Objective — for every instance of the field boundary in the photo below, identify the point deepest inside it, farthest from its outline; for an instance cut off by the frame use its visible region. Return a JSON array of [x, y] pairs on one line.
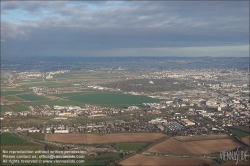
[[200, 138], [95, 139], [149, 146], [172, 146]]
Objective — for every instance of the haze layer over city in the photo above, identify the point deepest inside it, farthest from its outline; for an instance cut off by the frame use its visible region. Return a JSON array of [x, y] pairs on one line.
[[117, 83]]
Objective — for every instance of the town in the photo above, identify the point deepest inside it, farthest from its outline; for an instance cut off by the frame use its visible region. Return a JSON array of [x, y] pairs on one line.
[[211, 103]]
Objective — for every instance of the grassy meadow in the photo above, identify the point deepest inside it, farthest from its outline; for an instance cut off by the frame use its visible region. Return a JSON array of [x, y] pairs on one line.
[[4, 109], [10, 139], [31, 97], [131, 146], [112, 99], [11, 92]]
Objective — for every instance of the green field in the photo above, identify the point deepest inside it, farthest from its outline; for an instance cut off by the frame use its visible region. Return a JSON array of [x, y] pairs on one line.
[[131, 146], [49, 84], [112, 99], [5, 93], [9, 88], [102, 160], [31, 97], [4, 78], [35, 136], [31, 121], [19, 108], [10, 139], [238, 132], [88, 75], [13, 98], [66, 95], [52, 103], [30, 80], [4, 109], [82, 92]]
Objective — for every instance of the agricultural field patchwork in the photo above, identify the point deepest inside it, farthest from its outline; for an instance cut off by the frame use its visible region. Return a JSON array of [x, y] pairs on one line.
[[104, 138], [142, 160], [20, 108], [143, 85], [52, 103], [4, 108], [31, 97], [49, 84], [131, 146], [112, 99], [66, 95], [172, 146], [238, 132], [30, 121], [10, 139], [13, 98], [10, 92]]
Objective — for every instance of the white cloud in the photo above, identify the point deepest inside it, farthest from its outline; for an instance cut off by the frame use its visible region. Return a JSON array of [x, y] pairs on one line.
[[130, 28]]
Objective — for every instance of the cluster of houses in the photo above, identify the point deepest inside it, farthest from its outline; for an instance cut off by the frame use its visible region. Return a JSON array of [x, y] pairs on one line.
[[206, 108]]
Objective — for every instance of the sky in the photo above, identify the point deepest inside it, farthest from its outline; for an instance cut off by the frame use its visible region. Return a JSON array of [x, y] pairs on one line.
[[124, 28]]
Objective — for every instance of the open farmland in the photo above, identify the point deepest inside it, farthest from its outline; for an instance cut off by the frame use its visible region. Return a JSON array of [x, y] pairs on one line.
[[82, 92], [112, 99], [51, 103], [4, 109], [9, 88], [66, 95], [172, 146], [239, 133], [6, 93], [201, 137], [31, 121], [68, 79], [104, 138], [246, 140], [13, 98], [141, 160], [49, 84], [10, 139], [19, 108], [143, 85], [131, 146], [31, 97]]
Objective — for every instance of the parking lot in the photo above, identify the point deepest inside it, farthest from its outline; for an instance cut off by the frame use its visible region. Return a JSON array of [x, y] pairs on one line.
[[174, 126]]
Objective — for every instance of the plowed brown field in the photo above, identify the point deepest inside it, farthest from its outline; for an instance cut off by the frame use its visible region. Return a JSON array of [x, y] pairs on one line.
[[141, 160], [104, 138], [246, 140], [172, 146]]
